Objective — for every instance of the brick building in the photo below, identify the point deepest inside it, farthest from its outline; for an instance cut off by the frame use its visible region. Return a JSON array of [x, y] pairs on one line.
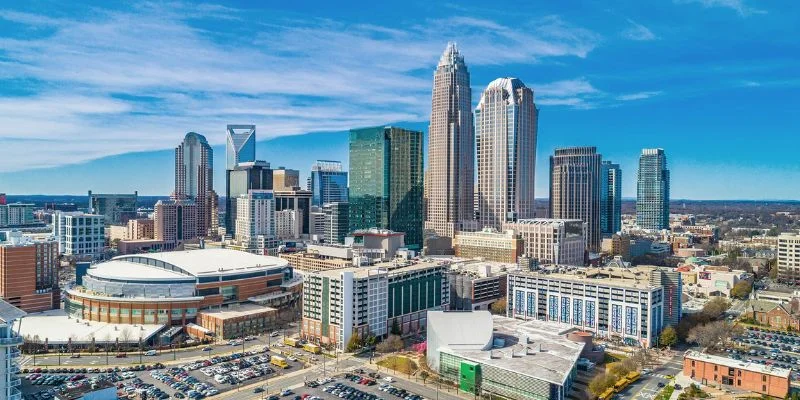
[[29, 272], [742, 375], [774, 315]]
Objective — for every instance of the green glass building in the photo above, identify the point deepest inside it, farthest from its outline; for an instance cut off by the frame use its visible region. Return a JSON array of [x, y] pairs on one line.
[[386, 181]]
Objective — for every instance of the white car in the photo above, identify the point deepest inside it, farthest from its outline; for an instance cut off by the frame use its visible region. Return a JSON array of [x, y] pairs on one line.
[[275, 334], [388, 379], [151, 353], [291, 358]]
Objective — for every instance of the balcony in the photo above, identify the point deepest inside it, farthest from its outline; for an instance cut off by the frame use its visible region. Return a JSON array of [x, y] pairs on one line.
[[14, 353], [14, 382], [15, 394], [12, 341]]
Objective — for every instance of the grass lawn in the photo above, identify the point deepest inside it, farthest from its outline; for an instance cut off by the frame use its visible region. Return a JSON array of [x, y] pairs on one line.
[[665, 393], [399, 364], [611, 358]]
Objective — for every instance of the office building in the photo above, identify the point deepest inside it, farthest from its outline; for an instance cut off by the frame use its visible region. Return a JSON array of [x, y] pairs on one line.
[[386, 181], [336, 225], [255, 221], [16, 214], [194, 180], [240, 145], [317, 221], [79, 234], [575, 189], [489, 244], [288, 224], [500, 357], [610, 198], [320, 258], [285, 179], [175, 222], [10, 340], [652, 191], [671, 281], [239, 180], [374, 301], [141, 228], [744, 376], [118, 209], [610, 302], [328, 183], [298, 201], [475, 285], [552, 241], [505, 135], [789, 258], [451, 147], [29, 272]]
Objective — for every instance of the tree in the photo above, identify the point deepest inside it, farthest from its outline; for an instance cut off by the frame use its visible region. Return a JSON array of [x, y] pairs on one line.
[[424, 375], [354, 343], [499, 307], [600, 383], [125, 336], [742, 290], [391, 344], [709, 335], [669, 337], [716, 307], [773, 268], [618, 369]]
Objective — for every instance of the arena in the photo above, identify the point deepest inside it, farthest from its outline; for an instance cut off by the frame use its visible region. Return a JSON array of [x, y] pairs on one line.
[[170, 288]]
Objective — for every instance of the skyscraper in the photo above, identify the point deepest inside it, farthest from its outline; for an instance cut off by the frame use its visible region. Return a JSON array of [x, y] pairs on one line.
[[610, 198], [386, 181], [652, 190], [328, 183], [255, 217], [451, 146], [245, 176], [175, 222], [285, 179], [505, 135], [336, 225], [575, 189], [117, 208], [240, 145], [194, 179]]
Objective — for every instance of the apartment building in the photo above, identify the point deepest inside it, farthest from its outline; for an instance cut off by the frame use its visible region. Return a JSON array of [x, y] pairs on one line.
[[552, 241], [29, 272], [489, 244], [79, 233], [9, 351], [789, 258]]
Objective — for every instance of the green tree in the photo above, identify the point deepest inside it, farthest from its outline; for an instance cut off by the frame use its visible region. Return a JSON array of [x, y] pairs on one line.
[[354, 343], [669, 337], [396, 328], [742, 290], [499, 307], [600, 383]]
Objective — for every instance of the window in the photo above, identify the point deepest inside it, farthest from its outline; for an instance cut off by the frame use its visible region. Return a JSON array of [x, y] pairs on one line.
[[715, 369], [763, 378], [764, 388], [739, 373], [730, 371], [738, 382], [693, 363]]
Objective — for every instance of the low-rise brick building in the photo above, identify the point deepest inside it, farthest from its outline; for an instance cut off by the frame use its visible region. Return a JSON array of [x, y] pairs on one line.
[[774, 315], [710, 370]]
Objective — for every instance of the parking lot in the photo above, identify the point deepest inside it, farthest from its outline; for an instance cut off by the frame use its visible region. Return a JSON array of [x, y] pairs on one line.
[[359, 385], [769, 347]]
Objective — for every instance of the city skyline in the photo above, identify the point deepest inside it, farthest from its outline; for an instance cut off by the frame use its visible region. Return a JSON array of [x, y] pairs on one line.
[[570, 60]]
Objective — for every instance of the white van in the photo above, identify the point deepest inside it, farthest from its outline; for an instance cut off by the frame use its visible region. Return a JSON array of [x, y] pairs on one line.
[[220, 378]]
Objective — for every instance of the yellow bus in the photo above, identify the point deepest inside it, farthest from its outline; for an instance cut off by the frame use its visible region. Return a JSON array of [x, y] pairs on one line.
[[622, 383], [607, 395], [312, 348], [291, 342], [633, 376], [279, 361]]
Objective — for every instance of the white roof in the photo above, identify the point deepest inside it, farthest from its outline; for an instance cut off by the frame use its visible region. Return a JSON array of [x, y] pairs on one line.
[[116, 269], [210, 261], [58, 328], [450, 328], [728, 362]]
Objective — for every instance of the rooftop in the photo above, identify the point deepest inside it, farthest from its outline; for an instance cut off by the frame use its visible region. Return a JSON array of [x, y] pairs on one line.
[[741, 364], [241, 310], [57, 327], [635, 277], [118, 269], [9, 313], [207, 261], [392, 267]]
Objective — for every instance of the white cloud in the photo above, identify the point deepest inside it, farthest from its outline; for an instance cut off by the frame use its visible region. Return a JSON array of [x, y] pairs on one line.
[[637, 96], [737, 5], [638, 32]]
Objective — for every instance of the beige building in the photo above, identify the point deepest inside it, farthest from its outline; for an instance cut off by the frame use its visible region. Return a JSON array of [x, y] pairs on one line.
[[314, 262], [489, 245], [139, 229], [552, 241], [175, 221], [789, 257], [285, 179], [117, 232], [451, 144]]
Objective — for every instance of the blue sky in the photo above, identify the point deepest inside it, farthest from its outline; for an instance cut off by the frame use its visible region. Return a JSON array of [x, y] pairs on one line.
[[93, 97]]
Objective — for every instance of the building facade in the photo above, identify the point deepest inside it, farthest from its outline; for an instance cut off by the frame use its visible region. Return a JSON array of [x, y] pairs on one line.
[[789, 258], [175, 222], [240, 145], [285, 179], [386, 181], [611, 303], [194, 180], [552, 241], [16, 214], [506, 121], [336, 225], [10, 340], [118, 209], [610, 198], [328, 183], [489, 244], [29, 272], [671, 281], [652, 190], [139, 229], [79, 233], [451, 146], [742, 375], [298, 201], [575, 189], [255, 219], [239, 180], [288, 224]]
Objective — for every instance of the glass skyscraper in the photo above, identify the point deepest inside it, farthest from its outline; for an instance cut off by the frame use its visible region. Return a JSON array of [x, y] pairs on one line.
[[386, 181], [575, 189], [328, 183], [240, 145], [652, 191], [610, 198]]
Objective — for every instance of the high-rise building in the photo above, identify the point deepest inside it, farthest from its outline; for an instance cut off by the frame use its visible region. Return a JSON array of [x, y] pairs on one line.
[[288, 224], [451, 147], [285, 179], [670, 280], [16, 214], [139, 229], [116, 208], [29, 272], [298, 201], [575, 189], [239, 180], [505, 135], [652, 190], [386, 181], [789, 258], [327, 183], [240, 145], [175, 222], [336, 221], [10, 340], [552, 241], [194, 180], [79, 233], [610, 198], [255, 220], [489, 244]]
